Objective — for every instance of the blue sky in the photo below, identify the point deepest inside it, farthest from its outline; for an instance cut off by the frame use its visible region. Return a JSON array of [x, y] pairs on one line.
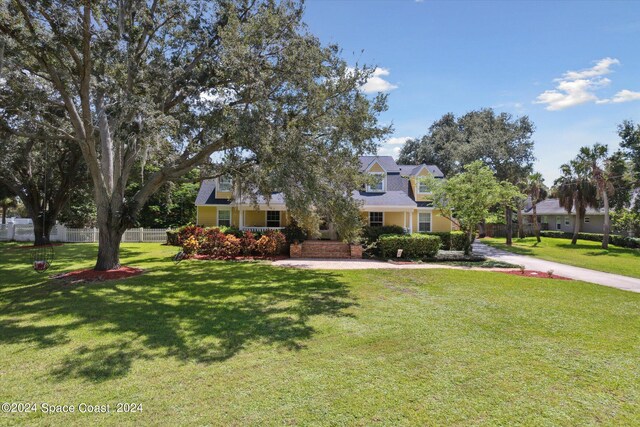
[[572, 67]]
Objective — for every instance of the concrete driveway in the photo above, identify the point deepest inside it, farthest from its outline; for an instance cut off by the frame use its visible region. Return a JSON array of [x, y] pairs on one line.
[[577, 273]]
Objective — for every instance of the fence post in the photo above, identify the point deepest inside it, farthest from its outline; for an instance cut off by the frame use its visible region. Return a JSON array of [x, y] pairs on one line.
[[11, 232], [141, 234]]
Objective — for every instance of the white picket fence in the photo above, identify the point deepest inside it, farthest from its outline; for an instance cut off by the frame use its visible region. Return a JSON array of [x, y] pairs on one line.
[[60, 233]]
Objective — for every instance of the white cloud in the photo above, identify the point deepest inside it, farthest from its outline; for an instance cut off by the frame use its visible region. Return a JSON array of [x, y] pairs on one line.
[[625, 95], [398, 140], [376, 83], [577, 87]]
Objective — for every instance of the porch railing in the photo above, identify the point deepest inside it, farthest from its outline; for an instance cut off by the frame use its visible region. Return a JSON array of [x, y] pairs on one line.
[[260, 229]]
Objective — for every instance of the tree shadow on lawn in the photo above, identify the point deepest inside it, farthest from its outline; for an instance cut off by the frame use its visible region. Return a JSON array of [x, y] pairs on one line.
[[591, 250], [197, 311]]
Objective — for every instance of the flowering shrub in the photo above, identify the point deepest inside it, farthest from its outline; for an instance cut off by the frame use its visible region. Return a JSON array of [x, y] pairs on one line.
[[215, 243], [190, 246], [248, 243], [271, 243], [189, 231]]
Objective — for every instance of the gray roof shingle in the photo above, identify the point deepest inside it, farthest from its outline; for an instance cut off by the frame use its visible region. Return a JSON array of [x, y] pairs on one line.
[[389, 198]]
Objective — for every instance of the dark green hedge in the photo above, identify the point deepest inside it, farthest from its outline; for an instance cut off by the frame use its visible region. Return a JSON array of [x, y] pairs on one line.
[[449, 240], [413, 246], [614, 239]]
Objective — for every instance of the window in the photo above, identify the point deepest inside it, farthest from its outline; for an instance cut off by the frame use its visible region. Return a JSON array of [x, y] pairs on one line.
[[424, 221], [422, 187], [567, 220], [558, 223], [379, 185], [545, 220], [273, 218], [224, 183], [376, 219], [224, 218], [587, 219]]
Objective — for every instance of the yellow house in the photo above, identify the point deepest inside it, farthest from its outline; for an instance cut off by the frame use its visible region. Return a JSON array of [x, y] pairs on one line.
[[398, 198]]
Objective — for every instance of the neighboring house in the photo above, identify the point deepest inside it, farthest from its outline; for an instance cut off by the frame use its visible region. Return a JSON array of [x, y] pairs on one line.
[[397, 199], [552, 216]]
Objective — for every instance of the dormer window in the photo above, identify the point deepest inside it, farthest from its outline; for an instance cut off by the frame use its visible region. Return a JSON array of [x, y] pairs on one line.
[[224, 183], [423, 187], [378, 186]]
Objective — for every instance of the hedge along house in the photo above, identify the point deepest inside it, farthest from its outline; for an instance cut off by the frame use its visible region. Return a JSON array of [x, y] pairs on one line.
[[397, 198]]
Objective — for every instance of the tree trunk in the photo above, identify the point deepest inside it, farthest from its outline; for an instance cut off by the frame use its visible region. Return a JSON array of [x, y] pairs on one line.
[[108, 246], [508, 215], [41, 232], [4, 214], [520, 225], [536, 226], [467, 244], [607, 221], [576, 228], [482, 228]]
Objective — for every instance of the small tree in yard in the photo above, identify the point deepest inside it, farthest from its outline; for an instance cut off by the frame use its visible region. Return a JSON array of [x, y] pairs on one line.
[[466, 198], [185, 80]]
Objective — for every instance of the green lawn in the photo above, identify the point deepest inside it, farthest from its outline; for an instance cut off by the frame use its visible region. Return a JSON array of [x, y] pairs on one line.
[[219, 343], [585, 254]]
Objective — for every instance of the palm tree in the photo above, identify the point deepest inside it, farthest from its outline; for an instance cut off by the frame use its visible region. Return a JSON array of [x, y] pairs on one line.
[[575, 190], [537, 191], [593, 161]]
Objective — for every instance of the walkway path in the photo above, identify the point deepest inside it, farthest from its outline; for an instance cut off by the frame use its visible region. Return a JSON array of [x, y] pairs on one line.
[[356, 264], [577, 273]]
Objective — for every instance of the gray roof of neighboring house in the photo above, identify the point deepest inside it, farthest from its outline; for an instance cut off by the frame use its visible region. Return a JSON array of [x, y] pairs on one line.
[[552, 207], [388, 198], [276, 199]]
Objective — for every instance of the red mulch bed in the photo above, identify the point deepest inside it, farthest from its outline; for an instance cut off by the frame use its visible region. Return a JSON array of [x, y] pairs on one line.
[[34, 247], [534, 273], [99, 276], [242, 258]]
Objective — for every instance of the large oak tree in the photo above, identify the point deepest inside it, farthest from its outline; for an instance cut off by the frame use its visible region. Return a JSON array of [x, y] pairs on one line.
[[239, 79]]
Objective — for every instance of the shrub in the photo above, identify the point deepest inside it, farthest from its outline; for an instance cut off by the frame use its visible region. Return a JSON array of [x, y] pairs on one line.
[[190, 246], [458, 240], [172, 238], [271, 243], [189, 231], [294, 233], [232, 230], [413, 246], [614, 239], [216, 244], [372, 234], [445, 238], [248, 243]]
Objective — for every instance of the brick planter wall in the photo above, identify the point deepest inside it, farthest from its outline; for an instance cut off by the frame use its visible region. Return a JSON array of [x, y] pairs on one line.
[[325, 249], [356, 251], [295, 251]]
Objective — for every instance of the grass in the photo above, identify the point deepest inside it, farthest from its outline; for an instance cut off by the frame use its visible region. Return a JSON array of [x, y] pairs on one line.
[[221, 343], [584, 254]]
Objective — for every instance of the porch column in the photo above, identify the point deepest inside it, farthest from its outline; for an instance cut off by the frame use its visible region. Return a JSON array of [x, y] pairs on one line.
[[411, 222], [241, 217], [404, 220]]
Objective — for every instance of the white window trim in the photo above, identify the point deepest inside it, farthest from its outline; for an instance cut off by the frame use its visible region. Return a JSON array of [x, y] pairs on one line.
[[567, 221], [220, 185], [384, 183], [418, 182], [430, 222], [587, 220], [369, 217], [218, 217], [266, 221]]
